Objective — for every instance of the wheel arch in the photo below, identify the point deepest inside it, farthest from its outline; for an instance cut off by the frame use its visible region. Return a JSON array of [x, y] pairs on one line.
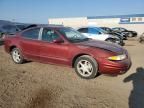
[[12, 47], [77, 56]]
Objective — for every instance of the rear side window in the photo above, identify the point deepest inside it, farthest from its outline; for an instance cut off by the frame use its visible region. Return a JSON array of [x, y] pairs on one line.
[[83, 30], [31, 34]]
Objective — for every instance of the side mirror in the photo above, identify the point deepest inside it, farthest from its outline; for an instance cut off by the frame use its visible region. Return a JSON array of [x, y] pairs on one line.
[[59, 40]]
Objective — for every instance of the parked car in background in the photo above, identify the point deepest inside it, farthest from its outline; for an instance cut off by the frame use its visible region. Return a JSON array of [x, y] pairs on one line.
[[11, 29], [125, 31], [115, 33], [8, 29], [66, 46], [99, 34]]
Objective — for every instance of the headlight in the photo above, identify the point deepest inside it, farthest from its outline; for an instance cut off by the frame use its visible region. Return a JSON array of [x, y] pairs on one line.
[[116, 58]]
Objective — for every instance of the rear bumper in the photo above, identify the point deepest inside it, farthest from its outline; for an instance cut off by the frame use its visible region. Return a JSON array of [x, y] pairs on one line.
[[115, 67]]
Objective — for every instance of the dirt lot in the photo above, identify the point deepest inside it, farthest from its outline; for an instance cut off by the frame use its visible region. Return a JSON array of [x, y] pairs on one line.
[[36, 85]]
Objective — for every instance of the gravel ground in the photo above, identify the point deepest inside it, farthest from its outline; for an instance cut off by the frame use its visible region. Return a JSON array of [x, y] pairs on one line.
[[37, 85]]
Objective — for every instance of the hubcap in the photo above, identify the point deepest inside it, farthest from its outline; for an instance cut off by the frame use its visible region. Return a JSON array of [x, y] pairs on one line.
[[84, 68], [16, 56]]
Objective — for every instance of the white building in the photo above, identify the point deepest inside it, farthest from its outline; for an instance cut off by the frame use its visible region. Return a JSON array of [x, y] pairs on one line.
[[131, 22], [71, 22]]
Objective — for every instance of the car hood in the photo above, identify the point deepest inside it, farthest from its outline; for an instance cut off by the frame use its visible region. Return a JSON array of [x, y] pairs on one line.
[[103, 45]]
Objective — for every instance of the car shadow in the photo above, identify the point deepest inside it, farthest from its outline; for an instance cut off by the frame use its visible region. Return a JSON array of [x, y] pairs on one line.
[[136, 98]]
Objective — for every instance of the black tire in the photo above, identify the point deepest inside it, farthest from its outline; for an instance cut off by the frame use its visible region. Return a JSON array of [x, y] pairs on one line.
[[93, 63], [21, 58]]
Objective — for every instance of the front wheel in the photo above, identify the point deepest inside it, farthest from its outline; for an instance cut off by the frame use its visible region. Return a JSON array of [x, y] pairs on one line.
[[86, 67], [17, 56]]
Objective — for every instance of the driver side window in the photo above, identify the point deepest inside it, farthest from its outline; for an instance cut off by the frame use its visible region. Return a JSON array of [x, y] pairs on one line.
[[49, 35], [93, 31]]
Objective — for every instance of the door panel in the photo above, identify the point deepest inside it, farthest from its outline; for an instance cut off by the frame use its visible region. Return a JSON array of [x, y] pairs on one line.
[[30, 48], [30, 44], [93, 36], [95, 33], [101, 37], [55, 53]]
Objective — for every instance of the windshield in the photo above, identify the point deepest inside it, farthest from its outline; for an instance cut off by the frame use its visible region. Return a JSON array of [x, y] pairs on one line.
[[73, 35]]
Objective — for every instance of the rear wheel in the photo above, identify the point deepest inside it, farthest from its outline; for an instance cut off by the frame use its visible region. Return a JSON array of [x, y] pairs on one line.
[[86, 67], [17, 56]]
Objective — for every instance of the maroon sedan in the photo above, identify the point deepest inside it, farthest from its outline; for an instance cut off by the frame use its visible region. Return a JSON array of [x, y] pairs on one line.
[[65, 46]]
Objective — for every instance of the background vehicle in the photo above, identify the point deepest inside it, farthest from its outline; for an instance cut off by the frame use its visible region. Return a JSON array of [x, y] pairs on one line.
[[125, 31], [8, 29], [12, 28], [65, 46], [99, 34], [115, 33]]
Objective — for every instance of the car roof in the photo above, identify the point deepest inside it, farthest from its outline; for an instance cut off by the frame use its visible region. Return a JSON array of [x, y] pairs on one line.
[[118, 27], [46, 26], [88, 27]]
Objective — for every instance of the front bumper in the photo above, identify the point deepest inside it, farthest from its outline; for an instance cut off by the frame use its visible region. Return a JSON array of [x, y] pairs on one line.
[[114, 67]]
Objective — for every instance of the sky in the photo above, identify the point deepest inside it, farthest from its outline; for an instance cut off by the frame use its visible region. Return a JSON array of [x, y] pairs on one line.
[[38, 11]]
